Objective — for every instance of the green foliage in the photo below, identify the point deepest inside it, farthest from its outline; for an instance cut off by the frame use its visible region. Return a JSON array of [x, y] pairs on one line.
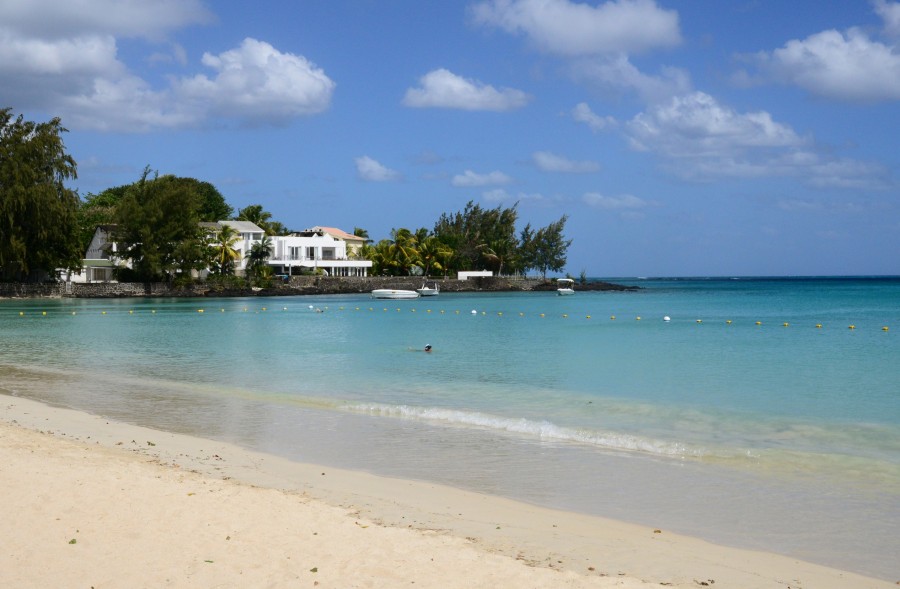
[[224, 255], [262, 219], [38, 228], [258, 270], [157, 228], [479, 238], [545, 249]]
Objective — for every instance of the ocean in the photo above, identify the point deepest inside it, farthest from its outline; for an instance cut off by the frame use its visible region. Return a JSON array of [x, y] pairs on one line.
[[763, 414]]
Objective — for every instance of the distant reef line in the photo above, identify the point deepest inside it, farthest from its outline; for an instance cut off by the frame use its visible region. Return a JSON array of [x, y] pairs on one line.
[[296, 286]]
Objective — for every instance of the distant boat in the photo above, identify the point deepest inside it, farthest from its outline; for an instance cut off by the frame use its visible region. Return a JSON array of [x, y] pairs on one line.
[[565, 286], [392, 293], [429, 291]]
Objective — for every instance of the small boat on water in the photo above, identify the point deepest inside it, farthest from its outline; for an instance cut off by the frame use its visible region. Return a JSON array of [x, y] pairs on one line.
[[393, 293], [565, 286], [429, 291]]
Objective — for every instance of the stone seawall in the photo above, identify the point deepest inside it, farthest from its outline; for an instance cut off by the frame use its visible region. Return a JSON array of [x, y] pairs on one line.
[[298, 285]]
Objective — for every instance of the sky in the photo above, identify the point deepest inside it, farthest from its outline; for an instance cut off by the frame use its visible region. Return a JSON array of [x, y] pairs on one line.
[[701, 138]]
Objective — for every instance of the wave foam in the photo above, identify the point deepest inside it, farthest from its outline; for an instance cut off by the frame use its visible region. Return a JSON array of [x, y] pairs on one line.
[[543, 430]]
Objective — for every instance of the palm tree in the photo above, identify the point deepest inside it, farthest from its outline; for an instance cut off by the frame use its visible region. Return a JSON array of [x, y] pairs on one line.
[[258, 256], [224, 254], [403, 250], [434, 254]]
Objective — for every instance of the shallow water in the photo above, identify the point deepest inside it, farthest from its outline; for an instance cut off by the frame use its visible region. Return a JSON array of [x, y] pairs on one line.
[[783, 438]]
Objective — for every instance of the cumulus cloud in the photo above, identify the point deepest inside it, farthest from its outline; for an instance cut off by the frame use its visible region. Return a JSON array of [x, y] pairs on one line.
[[470, 179], [443, 89], [617, 74], [890, 13], [697, 125], [63, 57], [569, 28], [698, 138], [623, 201], [257, 82], [550, 162], [582, 113], [848, 66], [372, 171]]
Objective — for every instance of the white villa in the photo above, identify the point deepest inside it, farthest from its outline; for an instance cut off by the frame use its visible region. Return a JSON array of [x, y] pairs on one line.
[[320, 248]]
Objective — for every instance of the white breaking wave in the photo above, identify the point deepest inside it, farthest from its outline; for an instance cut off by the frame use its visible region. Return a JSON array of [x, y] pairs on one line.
[[543, 430]]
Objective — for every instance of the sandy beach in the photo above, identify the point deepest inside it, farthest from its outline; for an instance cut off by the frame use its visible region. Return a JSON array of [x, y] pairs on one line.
[[86, 502]]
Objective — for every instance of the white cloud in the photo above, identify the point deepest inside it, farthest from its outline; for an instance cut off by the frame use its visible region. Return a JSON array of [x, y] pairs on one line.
[[372, 171], [550, 162], [583, 114], [256, 82], [570, 28], [697, 125], [64, 58], [469, 179], [52, 19], [890, 13], [443, 89], [623, 201], [698, 138], [501, 195], [617, 73], [842, 66]]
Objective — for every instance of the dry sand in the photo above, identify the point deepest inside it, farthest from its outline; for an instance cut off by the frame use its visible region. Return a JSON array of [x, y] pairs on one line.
[[85, 502]]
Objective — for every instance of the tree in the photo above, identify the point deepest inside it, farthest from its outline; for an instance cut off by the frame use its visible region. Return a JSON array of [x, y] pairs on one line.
[[98, 209], [471, 232], [211, 205], [360, 232], [157, 228], [262, 219], [224, 254], [258, 257], [434, 255], [38, 228], [548, 249]]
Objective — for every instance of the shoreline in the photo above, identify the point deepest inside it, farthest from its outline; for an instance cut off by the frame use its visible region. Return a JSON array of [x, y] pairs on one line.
[[474, 539]]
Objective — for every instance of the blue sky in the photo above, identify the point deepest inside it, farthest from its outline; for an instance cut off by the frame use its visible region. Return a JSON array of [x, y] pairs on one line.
[[708, 137]]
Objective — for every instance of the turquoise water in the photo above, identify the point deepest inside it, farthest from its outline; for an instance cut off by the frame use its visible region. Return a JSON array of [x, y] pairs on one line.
[[722, 422]]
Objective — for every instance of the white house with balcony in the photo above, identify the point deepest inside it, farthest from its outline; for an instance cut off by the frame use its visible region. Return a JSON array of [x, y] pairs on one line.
[[320, 248]]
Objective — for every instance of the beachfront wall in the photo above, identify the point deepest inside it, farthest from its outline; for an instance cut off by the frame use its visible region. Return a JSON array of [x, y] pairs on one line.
[[297, 285]]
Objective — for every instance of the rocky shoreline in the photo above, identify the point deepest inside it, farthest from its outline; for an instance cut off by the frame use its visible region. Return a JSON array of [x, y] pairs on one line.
[[296, 286]]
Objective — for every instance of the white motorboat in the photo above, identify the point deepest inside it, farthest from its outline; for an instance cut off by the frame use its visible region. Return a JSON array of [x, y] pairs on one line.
[[393, 293], [565, 286], [429, 291]]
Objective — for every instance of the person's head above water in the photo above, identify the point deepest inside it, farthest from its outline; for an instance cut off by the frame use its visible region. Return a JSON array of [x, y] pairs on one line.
[[427, 347]]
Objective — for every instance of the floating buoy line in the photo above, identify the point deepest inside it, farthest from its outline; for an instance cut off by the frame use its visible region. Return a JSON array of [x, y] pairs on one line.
[[474, 312]]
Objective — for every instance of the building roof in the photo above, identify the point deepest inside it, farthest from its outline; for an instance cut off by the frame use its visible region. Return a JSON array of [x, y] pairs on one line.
[[335, 232], [243, 226]]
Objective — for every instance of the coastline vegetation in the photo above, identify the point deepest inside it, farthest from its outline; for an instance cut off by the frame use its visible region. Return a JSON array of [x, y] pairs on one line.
[[156, 223]]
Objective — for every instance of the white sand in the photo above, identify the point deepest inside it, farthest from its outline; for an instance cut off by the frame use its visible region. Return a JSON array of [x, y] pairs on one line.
[[85, 502]]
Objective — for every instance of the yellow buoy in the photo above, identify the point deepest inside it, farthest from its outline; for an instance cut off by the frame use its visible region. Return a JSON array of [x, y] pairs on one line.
[[153, 311], [759, 322], [613, 317], [221, 310], [699, 320], [637, 318], [73, 312], [21, 313], [263, 308], [728, 322], [785, 324], [588, 317], [103, 312], [500, 313], [44, 313], [565, 316], [130, 312], [885, 328], [199, 310], [851, 327], [818, 326], [542, 314]]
